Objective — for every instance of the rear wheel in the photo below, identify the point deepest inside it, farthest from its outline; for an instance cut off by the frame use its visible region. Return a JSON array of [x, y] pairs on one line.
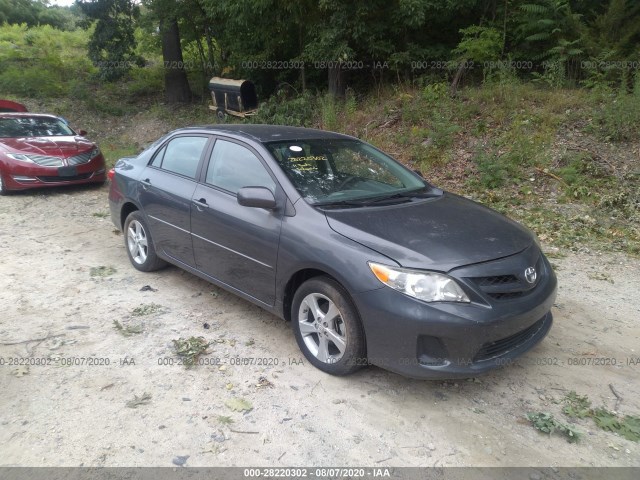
[[327, 327], [137, 240]]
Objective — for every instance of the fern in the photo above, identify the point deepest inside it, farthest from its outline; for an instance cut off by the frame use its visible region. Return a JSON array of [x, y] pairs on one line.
[[534, 8]]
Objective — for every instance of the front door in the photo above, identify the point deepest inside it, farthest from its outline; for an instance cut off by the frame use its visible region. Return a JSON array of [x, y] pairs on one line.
[[236, 245]]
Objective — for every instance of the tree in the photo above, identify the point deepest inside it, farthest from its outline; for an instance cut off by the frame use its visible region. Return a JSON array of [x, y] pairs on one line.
[[176, 84], [252, 34], [112, 44], [612, 40], [36, 12], [168, 13]]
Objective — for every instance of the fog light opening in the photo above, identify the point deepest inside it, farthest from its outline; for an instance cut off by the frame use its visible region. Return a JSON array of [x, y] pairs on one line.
[[431, 351], [24, 179]]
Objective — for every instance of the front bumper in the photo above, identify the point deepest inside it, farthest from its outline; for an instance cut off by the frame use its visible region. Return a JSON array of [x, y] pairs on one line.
[[20, 176], [452, 340]]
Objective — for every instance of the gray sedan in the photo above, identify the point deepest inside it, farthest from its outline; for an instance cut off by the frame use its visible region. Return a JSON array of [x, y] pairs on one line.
[[369, 262]]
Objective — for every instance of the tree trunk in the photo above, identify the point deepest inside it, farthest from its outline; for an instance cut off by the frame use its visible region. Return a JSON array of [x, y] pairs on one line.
[[212, 63], [303, 74], [176, 85], [458, 77], [337, 87]]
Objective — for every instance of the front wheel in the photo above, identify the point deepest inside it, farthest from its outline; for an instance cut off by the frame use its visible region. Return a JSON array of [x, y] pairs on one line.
[[3, 188], [327, 327], [137, 240]]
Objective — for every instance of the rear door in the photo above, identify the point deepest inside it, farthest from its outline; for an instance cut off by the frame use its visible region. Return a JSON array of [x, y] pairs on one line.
[[234, 244], [166, 188]]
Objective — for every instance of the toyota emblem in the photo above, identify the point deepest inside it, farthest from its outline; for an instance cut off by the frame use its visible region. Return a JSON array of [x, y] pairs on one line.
[[530, 275]]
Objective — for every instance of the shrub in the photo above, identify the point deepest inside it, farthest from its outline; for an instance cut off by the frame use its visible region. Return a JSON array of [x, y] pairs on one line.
[[278, 110]]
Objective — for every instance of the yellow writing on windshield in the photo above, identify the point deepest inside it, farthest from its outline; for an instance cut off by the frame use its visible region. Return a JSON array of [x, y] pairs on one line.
[[307, 163]]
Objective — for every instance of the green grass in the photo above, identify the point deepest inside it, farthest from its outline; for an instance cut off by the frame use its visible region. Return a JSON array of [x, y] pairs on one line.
[[42, 61], [115, 148]]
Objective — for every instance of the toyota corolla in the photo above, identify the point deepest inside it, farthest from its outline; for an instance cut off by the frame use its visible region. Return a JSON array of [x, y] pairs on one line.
[[43, 151], [369, 262]]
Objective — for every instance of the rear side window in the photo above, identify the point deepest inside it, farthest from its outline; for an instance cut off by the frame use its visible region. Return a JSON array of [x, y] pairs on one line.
[[181, 155], [233, 166]]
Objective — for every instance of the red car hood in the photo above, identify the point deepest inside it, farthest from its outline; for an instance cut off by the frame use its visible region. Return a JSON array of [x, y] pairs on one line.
[[54, 146]]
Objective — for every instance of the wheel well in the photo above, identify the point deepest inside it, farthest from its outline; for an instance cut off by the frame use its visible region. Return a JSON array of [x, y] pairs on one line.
[[294, 282], [127, 208]]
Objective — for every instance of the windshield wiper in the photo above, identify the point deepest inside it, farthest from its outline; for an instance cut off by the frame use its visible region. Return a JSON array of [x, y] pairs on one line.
[[422, 192], [390, 199], [365, 202], [339, 203]]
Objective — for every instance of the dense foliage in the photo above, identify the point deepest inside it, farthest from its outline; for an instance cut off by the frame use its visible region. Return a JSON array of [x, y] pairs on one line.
[[361, 44], [112, 44], [37, 12]]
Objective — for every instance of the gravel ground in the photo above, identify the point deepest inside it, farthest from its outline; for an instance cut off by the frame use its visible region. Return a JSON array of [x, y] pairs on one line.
[[58, 310]]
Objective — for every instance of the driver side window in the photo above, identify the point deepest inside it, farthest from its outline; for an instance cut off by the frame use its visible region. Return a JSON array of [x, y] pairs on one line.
[[233, 166]]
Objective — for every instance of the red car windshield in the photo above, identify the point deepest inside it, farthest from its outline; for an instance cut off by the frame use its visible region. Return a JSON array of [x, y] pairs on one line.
[[14, 127]]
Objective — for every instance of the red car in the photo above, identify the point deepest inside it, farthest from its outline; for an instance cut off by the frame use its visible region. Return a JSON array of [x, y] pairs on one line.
[[9, 106], [39, 150]]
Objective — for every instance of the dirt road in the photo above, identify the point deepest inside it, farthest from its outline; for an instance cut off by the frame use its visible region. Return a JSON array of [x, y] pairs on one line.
[[60, 306]]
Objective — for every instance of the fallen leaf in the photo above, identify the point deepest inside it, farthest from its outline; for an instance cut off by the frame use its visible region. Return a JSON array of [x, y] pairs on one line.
[[239, 405], [143, 399]]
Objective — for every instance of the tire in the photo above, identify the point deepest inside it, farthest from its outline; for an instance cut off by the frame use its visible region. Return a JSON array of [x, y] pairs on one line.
[[336, 346], [139, 244], [3, 188], [222, 115]]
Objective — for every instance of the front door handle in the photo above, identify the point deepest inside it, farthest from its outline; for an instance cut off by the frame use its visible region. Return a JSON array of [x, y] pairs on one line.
[[146, 183], [202, 203]]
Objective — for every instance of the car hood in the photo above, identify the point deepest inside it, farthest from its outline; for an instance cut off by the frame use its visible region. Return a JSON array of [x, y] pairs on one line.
[[438, 234], [66, 146]]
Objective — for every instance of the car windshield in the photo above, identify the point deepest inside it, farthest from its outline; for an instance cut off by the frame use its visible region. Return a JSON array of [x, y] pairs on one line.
[[332, 171], [33, 127]]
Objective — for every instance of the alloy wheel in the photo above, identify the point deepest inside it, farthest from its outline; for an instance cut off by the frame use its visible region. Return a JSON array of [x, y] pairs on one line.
[[137, 242], [322, 328]]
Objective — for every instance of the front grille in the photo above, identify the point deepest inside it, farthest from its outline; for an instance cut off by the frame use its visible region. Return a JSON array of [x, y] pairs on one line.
[[500, 347], [507, 287], [496, 280], [82, 176], [46, 160], [506, 295], [80, 159]]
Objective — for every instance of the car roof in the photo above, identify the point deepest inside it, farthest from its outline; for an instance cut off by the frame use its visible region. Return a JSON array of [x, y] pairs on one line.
[[26, 115], [268, 133]]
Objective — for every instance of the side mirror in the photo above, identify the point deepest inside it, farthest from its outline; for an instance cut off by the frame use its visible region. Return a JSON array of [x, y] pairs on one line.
[[257, 197], [418, 172], [82, 133]]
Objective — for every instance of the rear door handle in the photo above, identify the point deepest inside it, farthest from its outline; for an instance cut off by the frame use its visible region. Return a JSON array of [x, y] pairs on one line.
[[202, 203], [145, 183]]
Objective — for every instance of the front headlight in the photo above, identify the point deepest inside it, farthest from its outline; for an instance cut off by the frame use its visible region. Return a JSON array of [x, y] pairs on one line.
[[95, 152], [426, 286], [20, 157]]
